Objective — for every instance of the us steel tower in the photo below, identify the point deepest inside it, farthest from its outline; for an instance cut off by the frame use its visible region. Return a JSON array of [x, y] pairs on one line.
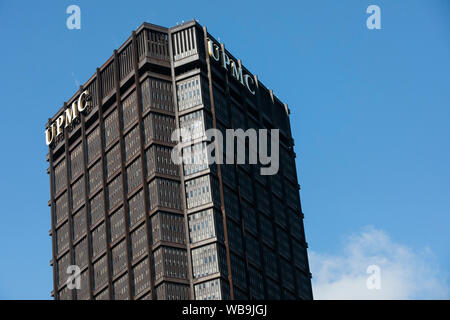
[[138, 225]]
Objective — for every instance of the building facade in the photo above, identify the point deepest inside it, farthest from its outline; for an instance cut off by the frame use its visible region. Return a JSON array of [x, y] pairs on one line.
[[138, 225]]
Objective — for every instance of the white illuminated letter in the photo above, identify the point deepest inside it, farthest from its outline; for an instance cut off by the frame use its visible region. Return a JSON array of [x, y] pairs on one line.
[[236, 72], [49, 135], [82, 102], [59, 123], [71, 114], [213, 50], [225, 59], [246, 77]]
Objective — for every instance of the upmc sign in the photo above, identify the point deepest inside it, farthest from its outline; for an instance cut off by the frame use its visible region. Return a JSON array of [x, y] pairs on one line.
[[219, 55], [67, 117]]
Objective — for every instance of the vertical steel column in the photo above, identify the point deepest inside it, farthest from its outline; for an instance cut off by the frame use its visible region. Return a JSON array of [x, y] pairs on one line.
[[104, 185], [87, 207], [219, 172], [254, 182], [274, 230], [53, 216], [144, 179], [291, 152], [123, 171], [258, 226], [182, 186], [236, 175], [283, 192], [69, 196]]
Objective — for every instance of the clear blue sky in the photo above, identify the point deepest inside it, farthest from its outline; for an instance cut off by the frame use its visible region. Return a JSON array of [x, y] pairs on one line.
[[370, 112]]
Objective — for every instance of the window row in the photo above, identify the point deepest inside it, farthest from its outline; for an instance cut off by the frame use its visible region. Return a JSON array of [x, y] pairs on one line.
[[189, 93], [172, 291], [194, 125], [195, 158], [198, 191], [203, 225], [157, 94], [165, 193], [209, 290], [238, 271], [170, 262], [208, 260], [159, 161], [168, 227], [158, 127]]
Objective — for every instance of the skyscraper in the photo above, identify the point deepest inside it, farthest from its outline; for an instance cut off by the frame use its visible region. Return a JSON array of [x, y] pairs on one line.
[[136, 224]]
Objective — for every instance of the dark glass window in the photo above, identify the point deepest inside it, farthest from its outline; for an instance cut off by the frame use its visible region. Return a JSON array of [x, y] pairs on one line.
[[95, 177], [120, 288], [141, 277], [98, 240], [62, 238], [131, 143], [81, 253], [79, 223], [116, 225], [134, 175], [111, 127], [138, 240], [78, 193], [118, 258], [136, 207], [129, 110], [113, 161], [76, 161], [100, 273], [60, 176], [115, 192], [93, 144], [61, 208], [96, 209]]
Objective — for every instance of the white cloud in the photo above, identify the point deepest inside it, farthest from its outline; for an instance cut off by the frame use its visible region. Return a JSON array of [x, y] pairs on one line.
[[405, 273]]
